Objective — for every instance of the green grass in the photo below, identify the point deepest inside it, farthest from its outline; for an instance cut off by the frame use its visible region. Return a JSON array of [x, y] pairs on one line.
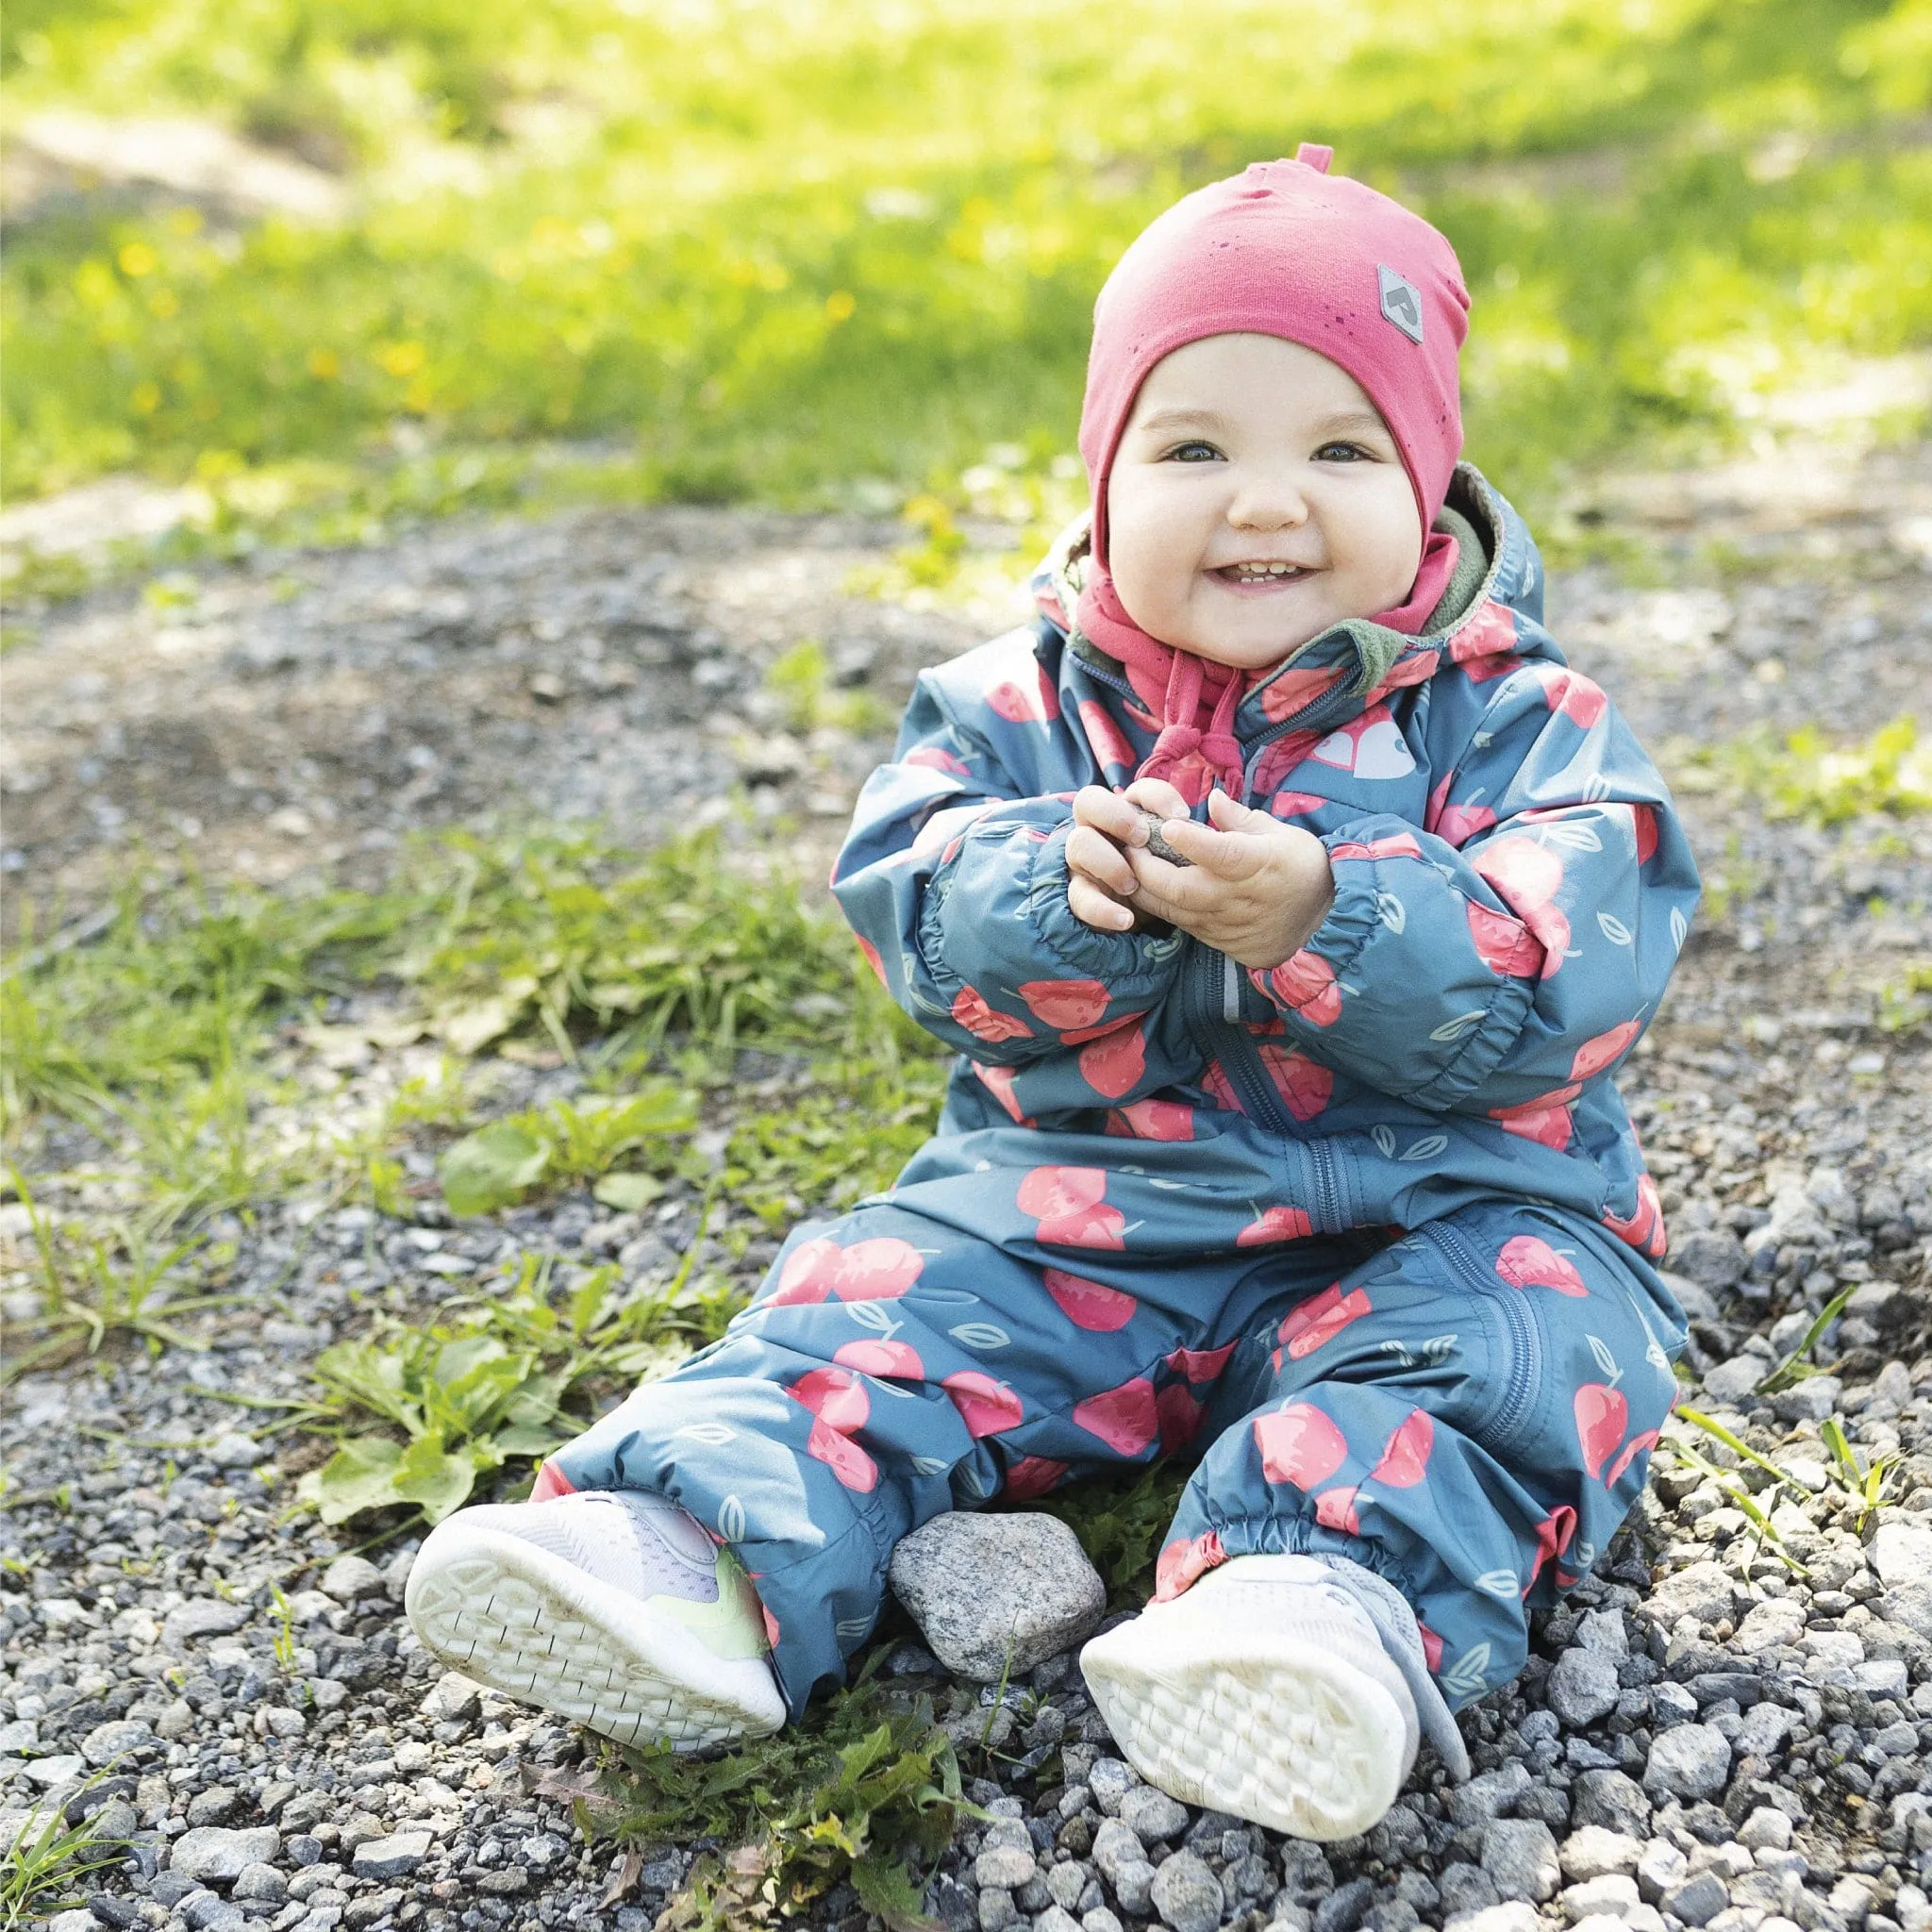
[[820, 252], [49, 1861]]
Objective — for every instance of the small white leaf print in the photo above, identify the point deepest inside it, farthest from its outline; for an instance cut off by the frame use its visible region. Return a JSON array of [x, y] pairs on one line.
[[979, 1335], [931, 1465], [1604, 1360], [1583, 1554], [1439, 1348], [1615, 930], [1427, 1148], [1595, 789], [1393, 913], [1577, 838], [1680, 927], [1469, 1674], [851, 1629], [1501, 1583], [1455, 1029], [713, 1435], [969, 1482], [874, 1315], [731, 1520], [1384, 1138]]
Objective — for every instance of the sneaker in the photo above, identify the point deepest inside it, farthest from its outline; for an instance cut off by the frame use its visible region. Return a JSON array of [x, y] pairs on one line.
[[1264, 1691], [612, 1608]]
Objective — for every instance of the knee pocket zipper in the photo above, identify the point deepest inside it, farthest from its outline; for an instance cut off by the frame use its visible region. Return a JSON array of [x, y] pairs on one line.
[[1499, 1426]]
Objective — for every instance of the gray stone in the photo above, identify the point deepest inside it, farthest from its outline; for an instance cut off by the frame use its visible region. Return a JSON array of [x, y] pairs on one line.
[[1520, 1856], [1735, 1382], [1705, 1590], [1114, 1846], [1698, 1900], [394, 1857], [1809, 1401], [236, 1450], [1773, 1625], [1344, 1908], [348, 1579], [1766, 1829], [202, 1617], [1133, 1889], [453, 1695], [1056, 1919], [1711, 1256], [216, 1855], [1187, 1894], [1517, 1915], [1151, 1815], [1110, 1780], [1005, 1866], [1901, 1553], [263, 1882], [79, 1920], [1611, 1800], [996, 1911], [1466, 1889], [1593, 1852], [1066, 1882], [1489, 1796], [994, 1594], [1614, 1892], [1661, 1866], [1582, 1686], [1763, 1729], [1098, 1918], [1689, 1761], [118, 1738]]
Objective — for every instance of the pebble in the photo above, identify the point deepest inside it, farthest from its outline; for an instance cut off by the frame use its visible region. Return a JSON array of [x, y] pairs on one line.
[[1773, 1625], [1516, 1916], [118, 1738], [348, 1579], [391, 1858], [236, 1450], [1766, 1829], [212, 1853], [998, 1594], [1698, 1900], [1689, 1761], [1187, 1894], [1703, 1590], [201, 1617], [1583, 1688], [1612, 1800], [1344, 1908], [1596, 1853], [1519, 1856], [1151, 1815], [1110, 1780], [1614, 1892]]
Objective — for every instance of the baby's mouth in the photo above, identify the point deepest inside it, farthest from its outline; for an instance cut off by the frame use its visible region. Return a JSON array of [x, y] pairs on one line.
[[1261, 572]]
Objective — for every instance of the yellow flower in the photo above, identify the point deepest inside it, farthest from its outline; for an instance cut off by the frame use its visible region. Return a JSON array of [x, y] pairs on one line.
[[840, 305], [145, 398], [324, 364], [165, 303], [138, 258], [401, 358]]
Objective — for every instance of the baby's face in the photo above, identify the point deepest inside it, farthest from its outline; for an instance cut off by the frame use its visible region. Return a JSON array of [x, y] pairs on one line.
[[1245, 452]]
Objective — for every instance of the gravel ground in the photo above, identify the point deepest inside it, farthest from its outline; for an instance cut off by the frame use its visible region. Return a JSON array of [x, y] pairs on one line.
[[1704, 1737]]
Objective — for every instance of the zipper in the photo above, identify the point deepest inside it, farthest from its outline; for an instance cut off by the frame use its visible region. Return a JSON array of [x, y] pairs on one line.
[[1525, 1371]]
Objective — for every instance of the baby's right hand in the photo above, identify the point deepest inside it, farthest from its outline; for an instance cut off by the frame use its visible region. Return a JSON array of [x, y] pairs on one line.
[[1106, 825]]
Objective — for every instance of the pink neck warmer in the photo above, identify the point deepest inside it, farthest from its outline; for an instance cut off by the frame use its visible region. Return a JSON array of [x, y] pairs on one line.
[[1283, 250]]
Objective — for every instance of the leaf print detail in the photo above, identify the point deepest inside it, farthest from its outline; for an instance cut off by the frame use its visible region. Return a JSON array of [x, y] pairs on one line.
[[1427, 1148], [712, 1434], [1392, 912], [1384, 1138], [1469, 1676], [731, 1520], [1615, 930], [1604, 1360], [1455, 1029], [1499, 1583], [980, 1335]]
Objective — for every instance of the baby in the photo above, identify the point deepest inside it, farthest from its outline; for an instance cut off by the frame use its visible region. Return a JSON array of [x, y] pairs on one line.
[[1294, 1149]]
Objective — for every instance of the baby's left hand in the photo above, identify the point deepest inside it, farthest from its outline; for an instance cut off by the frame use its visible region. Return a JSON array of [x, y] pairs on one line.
[[1253, 888]]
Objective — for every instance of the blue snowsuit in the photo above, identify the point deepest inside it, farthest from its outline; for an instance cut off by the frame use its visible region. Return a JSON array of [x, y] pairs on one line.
[[1370, 1229]]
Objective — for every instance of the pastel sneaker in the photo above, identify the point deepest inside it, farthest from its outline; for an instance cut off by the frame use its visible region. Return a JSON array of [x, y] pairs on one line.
[[612, 1608], [1265, 1692]]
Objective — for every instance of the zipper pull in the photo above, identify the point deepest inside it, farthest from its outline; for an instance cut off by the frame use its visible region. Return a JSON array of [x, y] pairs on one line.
[[1230, 990]]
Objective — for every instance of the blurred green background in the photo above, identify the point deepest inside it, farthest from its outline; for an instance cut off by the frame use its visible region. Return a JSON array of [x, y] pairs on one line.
[[837, 251]]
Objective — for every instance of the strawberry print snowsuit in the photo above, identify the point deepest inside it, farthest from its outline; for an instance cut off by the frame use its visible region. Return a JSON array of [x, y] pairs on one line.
[[1369, 1234]]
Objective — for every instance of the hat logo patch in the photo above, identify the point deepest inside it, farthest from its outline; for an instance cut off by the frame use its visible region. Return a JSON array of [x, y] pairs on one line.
[[1402, 302]]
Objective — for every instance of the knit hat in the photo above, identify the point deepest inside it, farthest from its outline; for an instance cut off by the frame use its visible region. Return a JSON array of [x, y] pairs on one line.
[[1284, 249]]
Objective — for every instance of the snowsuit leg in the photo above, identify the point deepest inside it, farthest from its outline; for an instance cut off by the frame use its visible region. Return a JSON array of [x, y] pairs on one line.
[[895, 1365], [1469, 1414]]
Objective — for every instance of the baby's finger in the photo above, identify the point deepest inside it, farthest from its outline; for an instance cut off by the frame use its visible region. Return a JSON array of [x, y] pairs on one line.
[[1107, 812], [1157, 795], [1092, 907], [1231, 856], [1091, 856], [1174, 887]]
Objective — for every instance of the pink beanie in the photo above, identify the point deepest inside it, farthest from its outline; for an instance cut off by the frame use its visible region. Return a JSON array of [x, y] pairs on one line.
[[1287, 249]]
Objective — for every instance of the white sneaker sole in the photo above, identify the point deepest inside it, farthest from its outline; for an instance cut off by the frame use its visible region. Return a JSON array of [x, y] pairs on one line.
[[1287, 1736], [524, 1621]]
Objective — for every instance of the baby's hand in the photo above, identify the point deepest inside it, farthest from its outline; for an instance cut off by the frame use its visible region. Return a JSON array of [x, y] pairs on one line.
[[1108, 825], [1252, 886]]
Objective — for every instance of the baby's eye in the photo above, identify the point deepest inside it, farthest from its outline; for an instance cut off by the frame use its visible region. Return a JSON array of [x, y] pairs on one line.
[[1192, 452], [1342, 453]]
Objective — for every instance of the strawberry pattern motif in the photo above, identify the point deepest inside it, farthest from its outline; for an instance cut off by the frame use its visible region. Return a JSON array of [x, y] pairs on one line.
[[1309, 1225]]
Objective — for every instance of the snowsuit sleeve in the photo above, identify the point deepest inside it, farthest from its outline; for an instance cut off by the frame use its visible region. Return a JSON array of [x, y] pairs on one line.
[[1494, 962], [956, 882]]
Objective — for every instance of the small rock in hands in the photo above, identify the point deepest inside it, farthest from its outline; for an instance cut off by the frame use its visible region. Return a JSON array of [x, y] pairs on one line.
[[1156, 842]]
